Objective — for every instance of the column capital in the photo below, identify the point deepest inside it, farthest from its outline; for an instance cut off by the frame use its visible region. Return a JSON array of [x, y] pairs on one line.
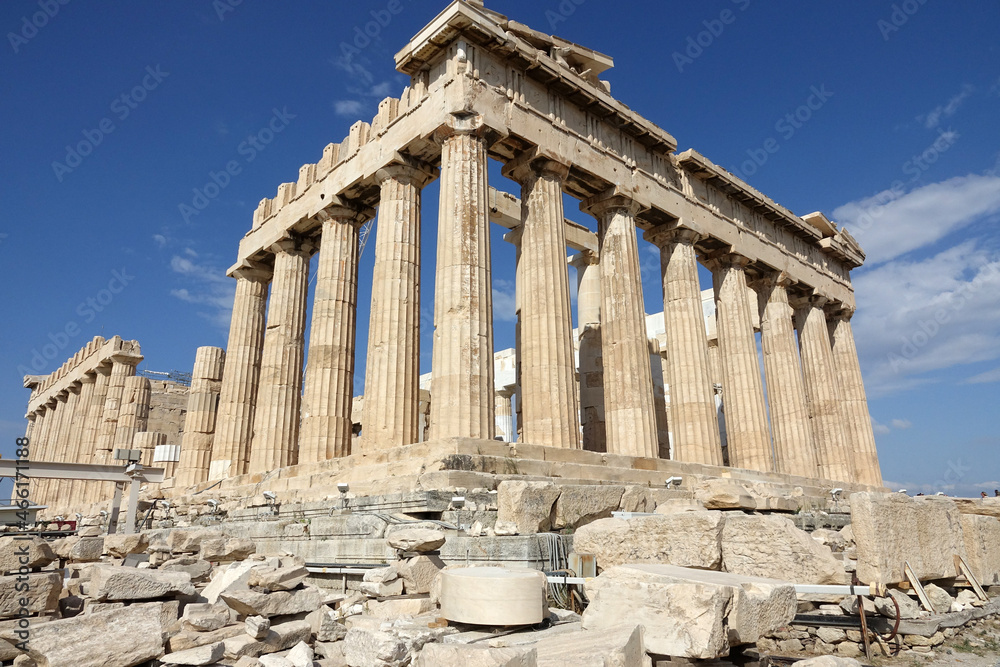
[[535, 162], [808, 301], [836, 310], [346, 212], [469, 124], [664, 235], [255, 271], [772, 279], [585, 258], [126, 358], [408, 171], [294, 246], [89, 378], [611, 200], [727, 259]]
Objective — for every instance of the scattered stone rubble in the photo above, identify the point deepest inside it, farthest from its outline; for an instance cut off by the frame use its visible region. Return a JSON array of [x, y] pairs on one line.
[[683, 581]]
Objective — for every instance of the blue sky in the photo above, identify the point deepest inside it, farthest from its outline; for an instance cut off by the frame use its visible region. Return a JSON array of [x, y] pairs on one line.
[[901, 146]]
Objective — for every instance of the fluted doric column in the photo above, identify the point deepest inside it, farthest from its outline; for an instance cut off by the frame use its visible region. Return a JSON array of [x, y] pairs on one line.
[[326, 405], [65, 442], [591, 369], [694, 418], [133, 415], [276, 419], [39, 446], [122, 368], [746, 416], [53, 445], [630, 418], [200, 420], [462, 365], [550, 407], [505, 414], [823, 391], [857, 419], [240, 381], [392, 374], [75, 490], [794, 448]]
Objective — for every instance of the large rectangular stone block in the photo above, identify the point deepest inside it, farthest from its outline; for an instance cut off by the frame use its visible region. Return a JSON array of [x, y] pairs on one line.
[[891, 529], [41, 591], [688, 539], [689, 613], [982, 546]]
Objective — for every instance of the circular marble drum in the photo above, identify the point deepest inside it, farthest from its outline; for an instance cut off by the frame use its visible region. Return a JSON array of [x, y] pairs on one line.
[[493, 596]]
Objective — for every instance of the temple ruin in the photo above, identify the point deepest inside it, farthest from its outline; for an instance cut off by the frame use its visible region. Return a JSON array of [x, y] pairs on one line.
[[608, 466]]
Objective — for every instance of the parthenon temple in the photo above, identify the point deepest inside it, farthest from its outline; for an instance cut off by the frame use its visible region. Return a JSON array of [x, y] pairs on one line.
[[487, 88]]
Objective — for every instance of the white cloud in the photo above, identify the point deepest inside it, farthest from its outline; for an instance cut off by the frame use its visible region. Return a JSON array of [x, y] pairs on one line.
[[209, 287], [891, 224], [347, 107], [933, 118], [504, 302], [880, 429], [381, 90], [901, 424], [985, 378], [916, 318]]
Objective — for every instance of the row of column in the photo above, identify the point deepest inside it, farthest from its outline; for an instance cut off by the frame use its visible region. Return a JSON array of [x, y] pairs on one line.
[[84, 423], [818, 406]]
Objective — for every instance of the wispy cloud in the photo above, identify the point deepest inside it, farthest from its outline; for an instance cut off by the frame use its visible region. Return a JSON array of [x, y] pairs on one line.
[[891, 224], [933, 118], [347, 107], [504, 302], [985, 378], [916, 318], [207, 286], [901, 424], [880, 428]]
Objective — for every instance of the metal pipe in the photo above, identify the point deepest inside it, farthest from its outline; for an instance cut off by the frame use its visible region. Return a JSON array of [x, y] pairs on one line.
[[808, 589]]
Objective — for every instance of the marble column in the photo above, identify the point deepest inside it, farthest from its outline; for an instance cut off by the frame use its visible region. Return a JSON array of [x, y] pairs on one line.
[[854, 407], [505, 414], [56, 444], [550, 406], [199, 422], [746, 415], [121, 370], [133, 415], [40, 446], [29, 429], [630, 418], [823, 392], [329, 381], [591, 369], [147, 442], [276, 419], [660, 404], [95, 422], [462, 364], [74, 490], [794, 448], [694, 416], [238, 397], [392, 373]]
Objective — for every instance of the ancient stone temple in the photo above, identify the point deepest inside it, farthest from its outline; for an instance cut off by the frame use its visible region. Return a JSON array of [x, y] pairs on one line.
[[487, 88], [621, 398]]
